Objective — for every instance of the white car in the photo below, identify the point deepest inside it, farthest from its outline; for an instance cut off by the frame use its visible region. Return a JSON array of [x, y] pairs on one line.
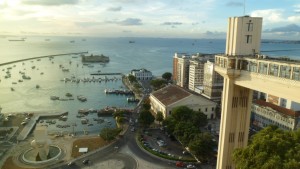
[[190, 166]]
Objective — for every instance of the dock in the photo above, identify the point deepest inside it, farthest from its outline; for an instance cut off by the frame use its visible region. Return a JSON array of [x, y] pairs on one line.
[[32, 122], [106, 74], [45, 56]]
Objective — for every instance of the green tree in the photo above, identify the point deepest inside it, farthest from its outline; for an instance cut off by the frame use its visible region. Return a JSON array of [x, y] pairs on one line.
[[199, 119], [146, 118], [131, 78], [202, 146], [158, 83], [146, 106], [109, 134], [167, 76], [182, 113], [159, 117], [270, 148]]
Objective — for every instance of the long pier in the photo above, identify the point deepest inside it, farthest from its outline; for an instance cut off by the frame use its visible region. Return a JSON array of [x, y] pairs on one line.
[[39, 57], [106, 74]]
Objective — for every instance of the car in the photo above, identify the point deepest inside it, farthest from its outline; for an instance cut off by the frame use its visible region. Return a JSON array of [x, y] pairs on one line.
[[132, 129], [86, 161], [190, 166], [179, 164], [71, 163]]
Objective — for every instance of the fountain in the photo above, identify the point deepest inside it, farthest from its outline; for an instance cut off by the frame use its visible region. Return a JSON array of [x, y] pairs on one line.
[[42, 152]]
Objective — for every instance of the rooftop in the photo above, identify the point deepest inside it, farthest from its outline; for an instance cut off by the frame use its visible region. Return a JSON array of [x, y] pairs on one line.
[[170, 94], [279, 109]]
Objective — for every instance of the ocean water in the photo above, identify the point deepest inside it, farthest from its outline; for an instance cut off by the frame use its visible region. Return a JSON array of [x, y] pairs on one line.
[[154, 54]]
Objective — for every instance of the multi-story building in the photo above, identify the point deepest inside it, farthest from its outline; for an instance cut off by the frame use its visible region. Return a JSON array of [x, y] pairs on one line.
[[212, 83], [265, 113], [142, 74], [181, 70], [196, 70]]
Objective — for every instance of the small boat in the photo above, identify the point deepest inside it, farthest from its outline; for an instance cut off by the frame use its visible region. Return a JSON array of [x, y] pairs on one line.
[[131, 41], [72, 41], [12, 89], [69, 95], [14, 82], [37, 86], [54, 97]]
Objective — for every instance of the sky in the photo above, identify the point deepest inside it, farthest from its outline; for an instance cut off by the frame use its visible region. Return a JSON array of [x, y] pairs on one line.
[[145, 18]]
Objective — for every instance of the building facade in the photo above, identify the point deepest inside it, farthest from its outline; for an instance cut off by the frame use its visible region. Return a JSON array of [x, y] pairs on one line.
[[181, 69], [212, 83], [171, 96], [142, 74], [265, 114]]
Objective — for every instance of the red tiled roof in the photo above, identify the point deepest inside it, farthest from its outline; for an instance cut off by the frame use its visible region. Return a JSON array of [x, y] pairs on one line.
[[170, 94], [282, 110]]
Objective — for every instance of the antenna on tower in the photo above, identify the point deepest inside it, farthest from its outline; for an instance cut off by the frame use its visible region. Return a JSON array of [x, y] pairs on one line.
[[244, 7]]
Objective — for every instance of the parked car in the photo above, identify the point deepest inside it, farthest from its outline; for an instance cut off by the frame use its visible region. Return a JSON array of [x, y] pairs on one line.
[[190, 166], [86, 161], [179, 164], [132, 129]]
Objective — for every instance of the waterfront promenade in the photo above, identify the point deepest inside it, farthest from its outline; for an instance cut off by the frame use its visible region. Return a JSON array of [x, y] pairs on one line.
[[32, 122], [39, 57]]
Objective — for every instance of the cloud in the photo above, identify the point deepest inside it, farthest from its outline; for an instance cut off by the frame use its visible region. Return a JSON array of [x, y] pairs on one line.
[[234, 4], [285, 29], [269, 15], [115, 9], [126, 31], [172, 23], [297, 10], [215, 34], [128, 22], [50, 2], [294, 19]]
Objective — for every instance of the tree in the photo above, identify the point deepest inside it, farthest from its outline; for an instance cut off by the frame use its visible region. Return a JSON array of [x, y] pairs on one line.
[[202, 146], [159, 117], [167, 76], [182, 113], [109, 134], [131, 78], [270, 148], [199, 119], [158, 83], [146, 106], [146, 118]]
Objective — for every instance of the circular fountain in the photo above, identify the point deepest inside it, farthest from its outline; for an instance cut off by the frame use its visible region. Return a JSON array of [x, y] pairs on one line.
[[41, 151]]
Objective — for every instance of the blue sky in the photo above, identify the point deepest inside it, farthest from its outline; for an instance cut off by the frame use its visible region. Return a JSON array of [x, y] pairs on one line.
[[145, 18]]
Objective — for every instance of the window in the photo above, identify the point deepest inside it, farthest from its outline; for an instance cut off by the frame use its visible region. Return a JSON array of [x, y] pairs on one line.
[[248, 38], [205, 109], [296, 73], [274, 69], [212, 109], [285, 71], [263, 68], [250, 27]]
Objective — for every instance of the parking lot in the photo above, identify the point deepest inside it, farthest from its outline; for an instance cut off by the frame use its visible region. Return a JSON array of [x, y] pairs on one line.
[[160, 141]]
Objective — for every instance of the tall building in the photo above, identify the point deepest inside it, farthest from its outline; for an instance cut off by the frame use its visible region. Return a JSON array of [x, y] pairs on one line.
[[243, 39], [196, 71], [243, 36], [212, 83], [181, 69], [244, 71]]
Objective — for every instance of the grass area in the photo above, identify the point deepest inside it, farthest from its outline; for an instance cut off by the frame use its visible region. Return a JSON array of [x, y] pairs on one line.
[[9, 164], [90, 143]]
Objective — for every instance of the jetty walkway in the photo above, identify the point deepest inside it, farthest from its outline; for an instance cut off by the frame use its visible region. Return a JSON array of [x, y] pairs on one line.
[[32, 122], [39, 57], [106, 74]]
